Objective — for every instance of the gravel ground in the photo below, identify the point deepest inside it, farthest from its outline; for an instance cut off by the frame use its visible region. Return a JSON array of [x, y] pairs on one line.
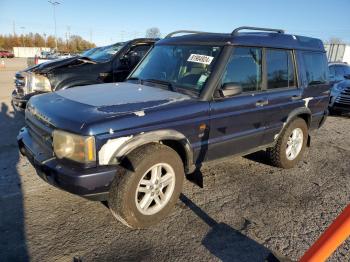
[[246, 209]]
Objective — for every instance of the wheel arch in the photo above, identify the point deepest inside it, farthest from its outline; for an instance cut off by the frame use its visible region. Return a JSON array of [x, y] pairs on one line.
[[172, 138], [303, 113]]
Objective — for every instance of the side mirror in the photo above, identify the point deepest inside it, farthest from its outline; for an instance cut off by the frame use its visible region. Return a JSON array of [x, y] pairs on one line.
[[231, 89], [347, 76]]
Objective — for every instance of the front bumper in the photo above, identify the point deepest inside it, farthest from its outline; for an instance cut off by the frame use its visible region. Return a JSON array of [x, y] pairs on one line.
[[341, 107], [91, 183], [19, 101]]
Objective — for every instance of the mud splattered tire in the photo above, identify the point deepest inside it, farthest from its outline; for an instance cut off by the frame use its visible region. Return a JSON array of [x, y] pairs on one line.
[[290, 145], [147, 189]]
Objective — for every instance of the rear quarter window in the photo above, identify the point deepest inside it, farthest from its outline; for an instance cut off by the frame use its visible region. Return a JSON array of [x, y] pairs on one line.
[[316, 68]]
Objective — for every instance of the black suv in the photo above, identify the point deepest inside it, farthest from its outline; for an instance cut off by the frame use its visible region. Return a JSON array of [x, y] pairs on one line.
[[340, 92], [194, 98], [106, 64]]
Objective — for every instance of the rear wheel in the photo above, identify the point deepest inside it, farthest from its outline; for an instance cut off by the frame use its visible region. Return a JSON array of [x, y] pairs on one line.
[[290, 144], [149, 186]]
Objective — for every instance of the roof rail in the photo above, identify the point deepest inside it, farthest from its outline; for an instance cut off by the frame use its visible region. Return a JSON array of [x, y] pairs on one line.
[[184, 31], [236, 31]]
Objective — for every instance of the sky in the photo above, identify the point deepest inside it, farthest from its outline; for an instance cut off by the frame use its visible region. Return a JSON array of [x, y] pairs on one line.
[[106, 21]]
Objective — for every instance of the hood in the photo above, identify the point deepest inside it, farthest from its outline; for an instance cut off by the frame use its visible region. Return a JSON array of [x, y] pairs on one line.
[[56, 63], [76, 108], [344, 83]]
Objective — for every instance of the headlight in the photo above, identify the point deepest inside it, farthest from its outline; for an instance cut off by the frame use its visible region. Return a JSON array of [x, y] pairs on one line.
[[74, 147], [337, 88], [40, 83]]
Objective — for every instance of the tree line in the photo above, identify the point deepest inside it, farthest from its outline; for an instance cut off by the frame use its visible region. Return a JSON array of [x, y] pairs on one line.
[[72, 44]]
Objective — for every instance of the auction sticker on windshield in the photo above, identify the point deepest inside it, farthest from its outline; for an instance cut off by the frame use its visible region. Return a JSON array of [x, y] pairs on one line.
[[202, 59]]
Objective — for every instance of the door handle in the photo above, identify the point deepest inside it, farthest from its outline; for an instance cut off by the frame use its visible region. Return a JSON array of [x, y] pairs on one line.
[[262, 102], [296, 97], [327, 92]]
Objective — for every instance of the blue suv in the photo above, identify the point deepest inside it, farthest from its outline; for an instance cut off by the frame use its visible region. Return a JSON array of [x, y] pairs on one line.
[[340, 93], [193, 98]]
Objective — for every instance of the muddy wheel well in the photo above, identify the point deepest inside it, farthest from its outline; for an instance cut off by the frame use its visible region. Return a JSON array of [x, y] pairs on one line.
[[306, 117], [179, 148], [174, 144]]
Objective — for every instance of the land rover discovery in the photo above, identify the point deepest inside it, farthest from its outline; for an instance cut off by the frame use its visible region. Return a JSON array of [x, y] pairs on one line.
[[194, 98]]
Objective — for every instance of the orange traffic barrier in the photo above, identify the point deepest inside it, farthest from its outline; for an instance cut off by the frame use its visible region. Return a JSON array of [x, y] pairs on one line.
[[330, 240]]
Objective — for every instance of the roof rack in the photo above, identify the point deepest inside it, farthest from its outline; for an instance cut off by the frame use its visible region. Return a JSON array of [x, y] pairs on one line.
[[236, 31], [184, 31]]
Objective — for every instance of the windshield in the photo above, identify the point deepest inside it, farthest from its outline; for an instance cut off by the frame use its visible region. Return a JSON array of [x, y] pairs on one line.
[[89, 51], [105, 53], [187, 66]]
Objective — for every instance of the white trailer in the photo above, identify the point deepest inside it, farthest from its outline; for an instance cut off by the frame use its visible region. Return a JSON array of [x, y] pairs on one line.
[[29, 51], [338, 53]]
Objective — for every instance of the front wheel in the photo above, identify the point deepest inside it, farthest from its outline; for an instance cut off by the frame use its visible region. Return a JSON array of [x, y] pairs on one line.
[[290, 144], [148, 188]]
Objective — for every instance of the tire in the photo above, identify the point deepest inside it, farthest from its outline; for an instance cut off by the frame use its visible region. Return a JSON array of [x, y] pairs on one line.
[[278, 155], [124, 201], [334, 112]]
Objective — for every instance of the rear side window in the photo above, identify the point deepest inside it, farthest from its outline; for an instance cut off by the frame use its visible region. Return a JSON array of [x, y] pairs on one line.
[[244, 68], [280, 69], [315, 67]]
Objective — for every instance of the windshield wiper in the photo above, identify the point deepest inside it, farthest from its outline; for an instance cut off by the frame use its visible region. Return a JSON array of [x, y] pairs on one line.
[[161, 82]]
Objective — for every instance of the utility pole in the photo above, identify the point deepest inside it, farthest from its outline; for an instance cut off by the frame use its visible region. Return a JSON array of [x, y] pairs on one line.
[[68, 29], [44, 38], [90, 35], [54, 17], [14, 27], [22, 27]]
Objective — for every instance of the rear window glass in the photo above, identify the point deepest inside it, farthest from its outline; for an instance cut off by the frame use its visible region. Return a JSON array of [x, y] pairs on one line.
[[280, 69], [315, 67]]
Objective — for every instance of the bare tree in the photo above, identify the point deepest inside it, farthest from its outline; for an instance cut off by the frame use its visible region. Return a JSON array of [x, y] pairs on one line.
[[153, 32], [334, 40]]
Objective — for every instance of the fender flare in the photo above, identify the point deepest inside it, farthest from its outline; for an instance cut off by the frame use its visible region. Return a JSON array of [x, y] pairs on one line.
[[128, 144], [297, 112]]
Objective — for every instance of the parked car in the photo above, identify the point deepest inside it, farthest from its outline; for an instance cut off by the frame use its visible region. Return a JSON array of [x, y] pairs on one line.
[[6, 54], [340, 93], [194, 98], [108, 64]]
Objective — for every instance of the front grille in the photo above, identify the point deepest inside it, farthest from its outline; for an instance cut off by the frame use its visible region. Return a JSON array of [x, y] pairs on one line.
[[344, 97], [20, 83], [40, 132]]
